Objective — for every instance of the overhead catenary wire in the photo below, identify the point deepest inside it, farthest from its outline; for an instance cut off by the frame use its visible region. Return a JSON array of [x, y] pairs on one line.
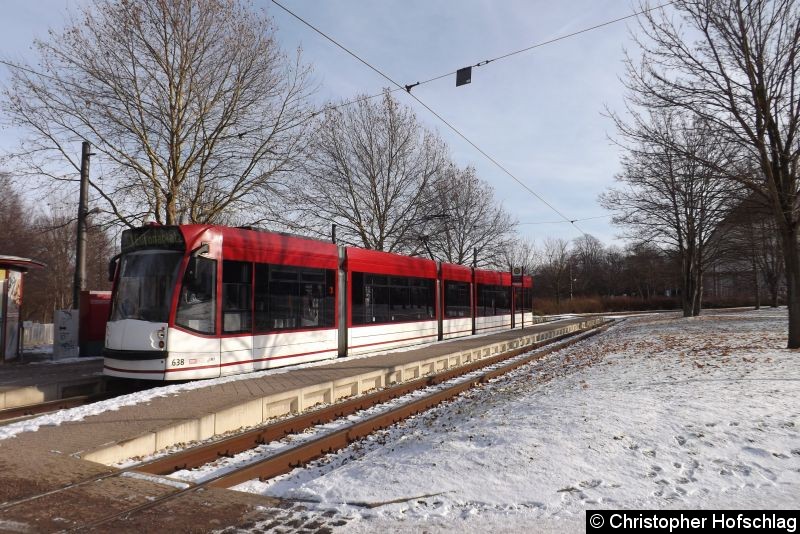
[[429, 80], [437, 115], [407, 88], [540, 44], [571, 221]]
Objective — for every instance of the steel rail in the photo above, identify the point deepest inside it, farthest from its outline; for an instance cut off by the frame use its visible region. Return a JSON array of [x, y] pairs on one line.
[[203, 454], [284, 461], [303, 453], [208, 452], [108, 390], [43, 407], [18, 412]]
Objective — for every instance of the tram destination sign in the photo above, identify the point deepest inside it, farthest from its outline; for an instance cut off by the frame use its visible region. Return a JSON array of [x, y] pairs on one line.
[[161, 237]]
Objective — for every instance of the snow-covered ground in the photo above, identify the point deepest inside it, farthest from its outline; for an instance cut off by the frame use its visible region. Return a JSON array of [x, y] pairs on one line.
[[658, 412], [82, 412]]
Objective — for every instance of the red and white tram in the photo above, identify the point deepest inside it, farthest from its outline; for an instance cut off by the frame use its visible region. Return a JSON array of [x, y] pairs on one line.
[[202, 301]]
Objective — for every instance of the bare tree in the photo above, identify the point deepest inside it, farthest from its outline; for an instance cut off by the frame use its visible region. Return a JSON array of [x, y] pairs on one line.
[[470, 221], [648, 270], [769, 256], [369, 170], [521, 252], [735, 65], [750, 243], [190, 104], [587, 258], [670, 195], [555, 265], [614, 281], [49, 236], [15, 228]]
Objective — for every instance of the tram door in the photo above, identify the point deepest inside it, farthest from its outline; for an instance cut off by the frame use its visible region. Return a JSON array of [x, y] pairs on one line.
[[236, 345]]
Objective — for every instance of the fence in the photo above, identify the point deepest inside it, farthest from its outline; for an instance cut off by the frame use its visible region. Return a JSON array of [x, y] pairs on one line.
[[37, 334]]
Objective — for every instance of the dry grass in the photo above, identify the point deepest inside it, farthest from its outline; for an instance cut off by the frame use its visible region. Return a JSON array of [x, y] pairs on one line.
[[619, 304]]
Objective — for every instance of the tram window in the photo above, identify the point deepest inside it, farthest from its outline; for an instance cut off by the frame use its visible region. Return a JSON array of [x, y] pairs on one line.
[[399, 303], [196, 305], [493, 300], [289, 298], [527, 295], [378, 310], [358, 298], [522, 300], [236, 290], [261, 298], [145, 285], [456, 299], [383, 299]]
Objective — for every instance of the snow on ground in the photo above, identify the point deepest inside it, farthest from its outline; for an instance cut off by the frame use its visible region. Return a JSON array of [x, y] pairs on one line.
[[82, 412], [658, 412], [226, 464]]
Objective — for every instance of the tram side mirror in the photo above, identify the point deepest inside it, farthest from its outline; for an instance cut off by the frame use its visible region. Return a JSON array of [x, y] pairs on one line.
[[191, 269], [191, 266], [202, 249]]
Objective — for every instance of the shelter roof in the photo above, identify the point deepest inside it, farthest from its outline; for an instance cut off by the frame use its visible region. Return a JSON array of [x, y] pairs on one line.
[[19, 264]]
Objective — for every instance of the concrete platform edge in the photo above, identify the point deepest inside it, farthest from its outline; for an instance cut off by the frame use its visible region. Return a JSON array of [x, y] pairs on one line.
[[29, 395], [254, 412]]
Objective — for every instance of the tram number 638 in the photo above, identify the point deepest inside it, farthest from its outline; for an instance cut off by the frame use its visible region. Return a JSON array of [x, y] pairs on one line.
[[177, 362]]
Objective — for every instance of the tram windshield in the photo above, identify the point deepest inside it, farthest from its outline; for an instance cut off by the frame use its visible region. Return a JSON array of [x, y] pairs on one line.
[[145, 284]]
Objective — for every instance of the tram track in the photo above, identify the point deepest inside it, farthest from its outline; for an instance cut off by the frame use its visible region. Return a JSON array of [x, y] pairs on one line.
[[448, 388], [445, 385], [203, 454], [110, 390], [18, 413]]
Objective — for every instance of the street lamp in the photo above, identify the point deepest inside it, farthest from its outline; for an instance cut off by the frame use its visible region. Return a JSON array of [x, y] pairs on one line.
[[570, 281]]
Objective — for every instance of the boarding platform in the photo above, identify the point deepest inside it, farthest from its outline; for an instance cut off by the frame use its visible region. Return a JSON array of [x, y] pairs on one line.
[[198, 414], [32, 383]]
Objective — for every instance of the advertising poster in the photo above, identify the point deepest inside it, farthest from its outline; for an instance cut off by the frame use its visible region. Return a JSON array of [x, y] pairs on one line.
[[13, 305]]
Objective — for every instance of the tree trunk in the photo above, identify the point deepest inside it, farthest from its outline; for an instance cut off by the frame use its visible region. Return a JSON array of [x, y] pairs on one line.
[[697, 302], [170, 210], [756, 285], [791, 257], [689, 285], [687, 292]]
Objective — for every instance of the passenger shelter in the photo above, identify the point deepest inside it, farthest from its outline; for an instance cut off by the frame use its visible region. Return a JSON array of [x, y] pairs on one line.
[[12, 270]]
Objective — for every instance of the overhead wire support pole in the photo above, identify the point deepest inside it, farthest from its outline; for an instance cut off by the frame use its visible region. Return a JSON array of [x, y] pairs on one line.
[[79, 280]]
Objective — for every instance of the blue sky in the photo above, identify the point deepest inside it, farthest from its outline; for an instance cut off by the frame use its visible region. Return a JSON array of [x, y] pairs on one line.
[[540, 113]]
